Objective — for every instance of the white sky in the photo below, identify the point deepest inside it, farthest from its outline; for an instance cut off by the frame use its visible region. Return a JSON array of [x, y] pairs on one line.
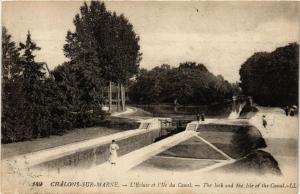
[[221, 35]]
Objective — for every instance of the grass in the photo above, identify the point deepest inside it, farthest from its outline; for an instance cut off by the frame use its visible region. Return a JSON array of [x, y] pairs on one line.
[[76, 135], [110, 126]]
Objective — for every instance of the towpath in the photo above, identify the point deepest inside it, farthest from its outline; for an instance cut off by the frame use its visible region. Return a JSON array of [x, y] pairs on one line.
[[281, 136]]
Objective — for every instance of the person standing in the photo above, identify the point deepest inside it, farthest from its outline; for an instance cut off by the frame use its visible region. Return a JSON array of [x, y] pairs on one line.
[[202, 117], [264, 121], [286, 110], [113, 148], [198, 117]]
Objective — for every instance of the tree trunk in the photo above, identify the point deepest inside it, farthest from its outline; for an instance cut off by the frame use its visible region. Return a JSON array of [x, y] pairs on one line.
[[123, 97], [109, 96], [118, 97]]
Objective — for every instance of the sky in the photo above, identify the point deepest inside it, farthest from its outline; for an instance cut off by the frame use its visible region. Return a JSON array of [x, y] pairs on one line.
[[221, 35]]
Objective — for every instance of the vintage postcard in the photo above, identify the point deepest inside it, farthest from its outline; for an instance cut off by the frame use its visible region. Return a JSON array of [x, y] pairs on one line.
[[150, 97]]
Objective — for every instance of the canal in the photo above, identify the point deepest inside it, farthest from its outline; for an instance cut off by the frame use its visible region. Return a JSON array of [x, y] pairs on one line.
[[214, 143]]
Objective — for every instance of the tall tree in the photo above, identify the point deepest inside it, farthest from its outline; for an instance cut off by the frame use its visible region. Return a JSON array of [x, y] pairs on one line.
[[11, 89], [10, 57], [35, 111], [103, 46]]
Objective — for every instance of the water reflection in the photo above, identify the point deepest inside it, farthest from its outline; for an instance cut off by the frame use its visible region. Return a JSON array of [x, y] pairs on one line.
[[235, 110], [223, 110]]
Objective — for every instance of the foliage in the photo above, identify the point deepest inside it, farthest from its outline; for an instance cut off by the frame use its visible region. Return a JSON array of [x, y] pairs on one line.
[[34, 109], [25, 114], [190, 83], [272, 78], [104, 44], [103, 47], [80, 99], [58, 107], [11, 89]]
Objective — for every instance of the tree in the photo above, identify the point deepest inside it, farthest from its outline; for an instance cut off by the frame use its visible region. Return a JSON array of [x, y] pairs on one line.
[[190, 83], [272, 78], [10, 57], [34, 105], [25, 111], [11, 89], [34, 110], [104, 47], [56, 101]]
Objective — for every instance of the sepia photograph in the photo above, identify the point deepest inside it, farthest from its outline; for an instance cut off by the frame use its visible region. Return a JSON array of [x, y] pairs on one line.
[[191, 97]]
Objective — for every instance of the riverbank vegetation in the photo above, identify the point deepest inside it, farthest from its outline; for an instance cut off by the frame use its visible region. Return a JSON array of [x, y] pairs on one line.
[[272, 78], [189, 83]]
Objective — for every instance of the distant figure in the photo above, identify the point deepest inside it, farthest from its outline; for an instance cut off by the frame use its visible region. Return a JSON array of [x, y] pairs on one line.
[[264, 121], [202, 117], [286, 110], [292, 112], [113, 152], [198, 117]]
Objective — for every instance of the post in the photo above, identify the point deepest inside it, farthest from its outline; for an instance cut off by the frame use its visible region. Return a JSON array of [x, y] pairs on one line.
[[109, 96]]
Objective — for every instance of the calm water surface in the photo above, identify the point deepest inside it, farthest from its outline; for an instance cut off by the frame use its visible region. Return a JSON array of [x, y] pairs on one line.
[[224, 110]]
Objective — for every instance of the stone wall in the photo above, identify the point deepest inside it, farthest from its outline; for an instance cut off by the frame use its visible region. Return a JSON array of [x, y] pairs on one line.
[[100, 154]]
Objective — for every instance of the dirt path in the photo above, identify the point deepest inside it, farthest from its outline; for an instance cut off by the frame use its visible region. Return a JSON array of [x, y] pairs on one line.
[[134, 113]]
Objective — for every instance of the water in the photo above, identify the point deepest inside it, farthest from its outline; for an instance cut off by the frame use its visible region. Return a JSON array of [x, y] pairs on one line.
[[242, 143], [229, 110]]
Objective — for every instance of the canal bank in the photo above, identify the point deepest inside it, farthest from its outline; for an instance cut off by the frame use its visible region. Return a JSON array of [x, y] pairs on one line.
[[118, 122], [281, 136], [199, 151]]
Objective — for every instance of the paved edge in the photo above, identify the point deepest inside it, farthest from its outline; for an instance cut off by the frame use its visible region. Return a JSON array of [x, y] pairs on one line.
[[132, 159]]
